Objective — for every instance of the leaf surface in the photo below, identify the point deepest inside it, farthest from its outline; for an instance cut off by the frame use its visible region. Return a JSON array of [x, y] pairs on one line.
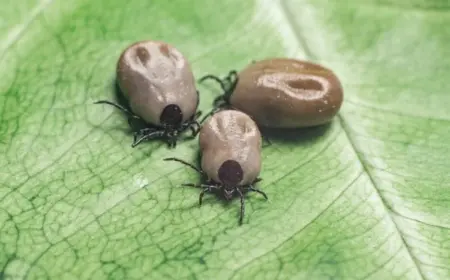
[[367, 197]]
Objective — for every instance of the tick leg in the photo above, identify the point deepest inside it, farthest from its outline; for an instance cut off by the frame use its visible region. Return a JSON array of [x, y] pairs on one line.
[[222, 101], [172, 143], [206, 188], [232, 80], [200, 197], [197, 115], [215, 78], [185, 163], [232, 77], [146, 131], [251, 188], [197, 128], [148, 136], [266, 139], [130, 121], [198, 98], [192, 185], [241, 216], [142, 133], [193, 125], [121, 108], [194, 131], [257, 180]]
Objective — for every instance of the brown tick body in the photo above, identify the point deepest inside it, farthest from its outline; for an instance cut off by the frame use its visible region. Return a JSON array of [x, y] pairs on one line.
[[230, 143], [282, 93], [158, 83]]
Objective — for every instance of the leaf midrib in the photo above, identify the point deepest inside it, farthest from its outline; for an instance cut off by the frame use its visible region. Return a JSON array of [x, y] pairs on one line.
[[310, 55]]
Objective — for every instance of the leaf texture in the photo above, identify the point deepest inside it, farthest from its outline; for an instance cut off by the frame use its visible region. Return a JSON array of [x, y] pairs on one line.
[[366, 197]]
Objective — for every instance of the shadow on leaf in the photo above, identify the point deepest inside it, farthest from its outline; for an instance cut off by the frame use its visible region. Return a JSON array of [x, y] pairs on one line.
[[297, 135], [120, 99]]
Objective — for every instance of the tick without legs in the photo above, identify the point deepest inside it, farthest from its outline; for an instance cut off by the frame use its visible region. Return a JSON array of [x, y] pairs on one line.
[[158, 83], [230, 143], [282, 93]]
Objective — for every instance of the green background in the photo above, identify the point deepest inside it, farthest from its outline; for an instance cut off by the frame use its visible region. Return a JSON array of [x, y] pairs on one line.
[[367, 197]]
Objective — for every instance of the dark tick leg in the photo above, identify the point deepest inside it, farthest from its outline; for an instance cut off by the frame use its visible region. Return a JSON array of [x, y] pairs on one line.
[[215, 78], [266, 139], [130, 121], [228, 84], [140, 127], [145, 131], [171, 136], [194, 130], [134, 138], [220, 102], [232, 77], [192, 185], [197, 129], [198, 185], [257, 180], [193, 125], [200, 197], [172, 143], [185, 163], [232, 80], [198, 98], [197, 115], [241, 217], [206, 188], [148, 136], [121, 108], [251, 188]]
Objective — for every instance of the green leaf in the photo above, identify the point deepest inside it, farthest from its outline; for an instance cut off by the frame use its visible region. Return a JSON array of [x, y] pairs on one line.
[[367, 197]]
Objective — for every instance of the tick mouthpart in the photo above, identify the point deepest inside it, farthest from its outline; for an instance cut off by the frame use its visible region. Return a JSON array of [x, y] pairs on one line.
[[228, 194]]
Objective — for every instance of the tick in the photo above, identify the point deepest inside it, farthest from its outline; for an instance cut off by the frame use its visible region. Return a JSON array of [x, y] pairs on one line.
[[282, 93], [230, 144], [158, 83]]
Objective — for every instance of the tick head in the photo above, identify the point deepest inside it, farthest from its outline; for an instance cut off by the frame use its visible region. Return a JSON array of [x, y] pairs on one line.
[[171, 116], [230, 175]]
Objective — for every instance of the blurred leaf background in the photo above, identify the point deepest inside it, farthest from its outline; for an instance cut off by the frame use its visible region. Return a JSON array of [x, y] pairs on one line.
[[367, 197]]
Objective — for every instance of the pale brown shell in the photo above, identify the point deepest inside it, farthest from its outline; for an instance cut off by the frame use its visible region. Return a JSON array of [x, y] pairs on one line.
[[288, 93], [231, 135], [152, 75]]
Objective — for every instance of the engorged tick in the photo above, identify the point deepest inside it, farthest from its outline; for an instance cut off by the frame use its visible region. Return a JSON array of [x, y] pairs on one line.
[[230, 144], [282, 93], [158, 83]]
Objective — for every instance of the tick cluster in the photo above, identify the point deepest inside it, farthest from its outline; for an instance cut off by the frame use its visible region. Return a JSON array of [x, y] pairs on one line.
[[159, 86]]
